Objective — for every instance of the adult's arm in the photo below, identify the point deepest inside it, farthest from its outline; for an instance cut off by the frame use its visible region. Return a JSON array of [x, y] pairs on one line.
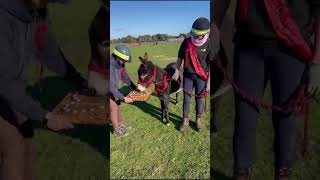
[[12, 85]]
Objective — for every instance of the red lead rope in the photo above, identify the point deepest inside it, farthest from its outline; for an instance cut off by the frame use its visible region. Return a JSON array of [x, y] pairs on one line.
[[165, 82], [298, 105]]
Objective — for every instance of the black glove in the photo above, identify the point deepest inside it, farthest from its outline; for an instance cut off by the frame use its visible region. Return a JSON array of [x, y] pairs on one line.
[[26, 129], [133, 86]]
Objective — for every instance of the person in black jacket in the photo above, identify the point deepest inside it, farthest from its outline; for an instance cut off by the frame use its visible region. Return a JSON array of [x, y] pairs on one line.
[[195, 52], [263, 52]]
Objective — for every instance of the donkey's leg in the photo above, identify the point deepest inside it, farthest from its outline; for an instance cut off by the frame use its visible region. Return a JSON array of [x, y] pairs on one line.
[[177, 96], [166, 107], [162, 101]]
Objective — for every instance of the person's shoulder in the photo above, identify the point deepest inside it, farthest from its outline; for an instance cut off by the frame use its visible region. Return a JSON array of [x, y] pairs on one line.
[[187, 39], [184, 42]]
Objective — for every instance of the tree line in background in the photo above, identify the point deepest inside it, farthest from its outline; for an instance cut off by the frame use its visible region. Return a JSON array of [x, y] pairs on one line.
[[148, 38]]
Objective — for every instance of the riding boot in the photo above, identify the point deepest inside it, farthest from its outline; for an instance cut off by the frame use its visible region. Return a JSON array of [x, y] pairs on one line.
[[198, 123], [185, 124], [282, 174]]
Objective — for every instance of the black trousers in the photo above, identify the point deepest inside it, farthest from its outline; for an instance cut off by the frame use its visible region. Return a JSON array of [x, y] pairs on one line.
[[190, 81], [253, 68]]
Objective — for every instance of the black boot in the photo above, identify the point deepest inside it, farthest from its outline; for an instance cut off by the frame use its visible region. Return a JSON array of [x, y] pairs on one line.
[[282, 173], [242, 174], [198, 123]]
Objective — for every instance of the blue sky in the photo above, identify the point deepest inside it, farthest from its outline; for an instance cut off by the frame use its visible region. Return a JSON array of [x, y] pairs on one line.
[[151, 17]]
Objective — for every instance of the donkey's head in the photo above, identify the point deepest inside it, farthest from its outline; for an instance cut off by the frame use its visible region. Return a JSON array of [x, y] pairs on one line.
[[146, 69]]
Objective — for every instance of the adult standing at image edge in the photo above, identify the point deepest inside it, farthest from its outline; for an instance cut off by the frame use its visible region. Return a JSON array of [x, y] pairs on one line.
[[26, 38]]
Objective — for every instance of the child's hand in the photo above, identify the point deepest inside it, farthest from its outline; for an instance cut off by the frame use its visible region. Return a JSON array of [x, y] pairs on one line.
[[128, 100]]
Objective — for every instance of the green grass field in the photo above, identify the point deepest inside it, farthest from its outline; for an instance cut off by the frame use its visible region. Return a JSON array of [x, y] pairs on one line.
[[152, 149], [78, 154]]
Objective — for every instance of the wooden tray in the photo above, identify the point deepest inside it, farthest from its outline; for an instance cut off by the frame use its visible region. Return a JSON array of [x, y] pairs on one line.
[[84, 109], [139, 96]]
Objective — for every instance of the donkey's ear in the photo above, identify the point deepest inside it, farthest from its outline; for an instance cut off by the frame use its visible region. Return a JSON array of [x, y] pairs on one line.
[[141, 59], [146, 56]]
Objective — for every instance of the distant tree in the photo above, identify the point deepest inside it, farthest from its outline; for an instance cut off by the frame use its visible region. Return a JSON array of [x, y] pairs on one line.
[[141, 39], [154, 38], [148, 38], [129, 39]]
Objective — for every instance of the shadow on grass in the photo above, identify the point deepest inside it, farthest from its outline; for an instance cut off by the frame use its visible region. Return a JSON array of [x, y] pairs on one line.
[[220, 176], [217, 175], [156, 112], [49, 92]]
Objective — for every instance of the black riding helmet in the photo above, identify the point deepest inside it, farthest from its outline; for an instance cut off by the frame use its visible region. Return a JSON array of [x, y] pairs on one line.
[[200, 26]]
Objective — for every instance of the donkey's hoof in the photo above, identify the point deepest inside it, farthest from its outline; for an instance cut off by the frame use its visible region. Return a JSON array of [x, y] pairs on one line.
[[166, 122]]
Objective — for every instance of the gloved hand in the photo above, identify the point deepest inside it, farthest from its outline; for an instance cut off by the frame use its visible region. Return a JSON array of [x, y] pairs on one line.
[[208, 85], [26, 129], [141, 88], [314, 83], [133, 86], [175, 76]]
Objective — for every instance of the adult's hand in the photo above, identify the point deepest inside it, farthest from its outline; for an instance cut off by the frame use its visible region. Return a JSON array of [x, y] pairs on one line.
[[175, 76]]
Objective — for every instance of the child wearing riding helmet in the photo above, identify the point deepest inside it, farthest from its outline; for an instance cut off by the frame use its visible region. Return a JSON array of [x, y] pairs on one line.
[[120, 55], [196, 54]]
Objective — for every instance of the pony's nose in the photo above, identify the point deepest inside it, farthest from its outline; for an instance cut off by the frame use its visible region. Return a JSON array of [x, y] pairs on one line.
[[143, 76]]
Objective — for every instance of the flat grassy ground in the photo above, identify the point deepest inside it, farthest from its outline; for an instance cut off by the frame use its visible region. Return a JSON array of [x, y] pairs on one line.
[[78, 154], [152, 149]]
